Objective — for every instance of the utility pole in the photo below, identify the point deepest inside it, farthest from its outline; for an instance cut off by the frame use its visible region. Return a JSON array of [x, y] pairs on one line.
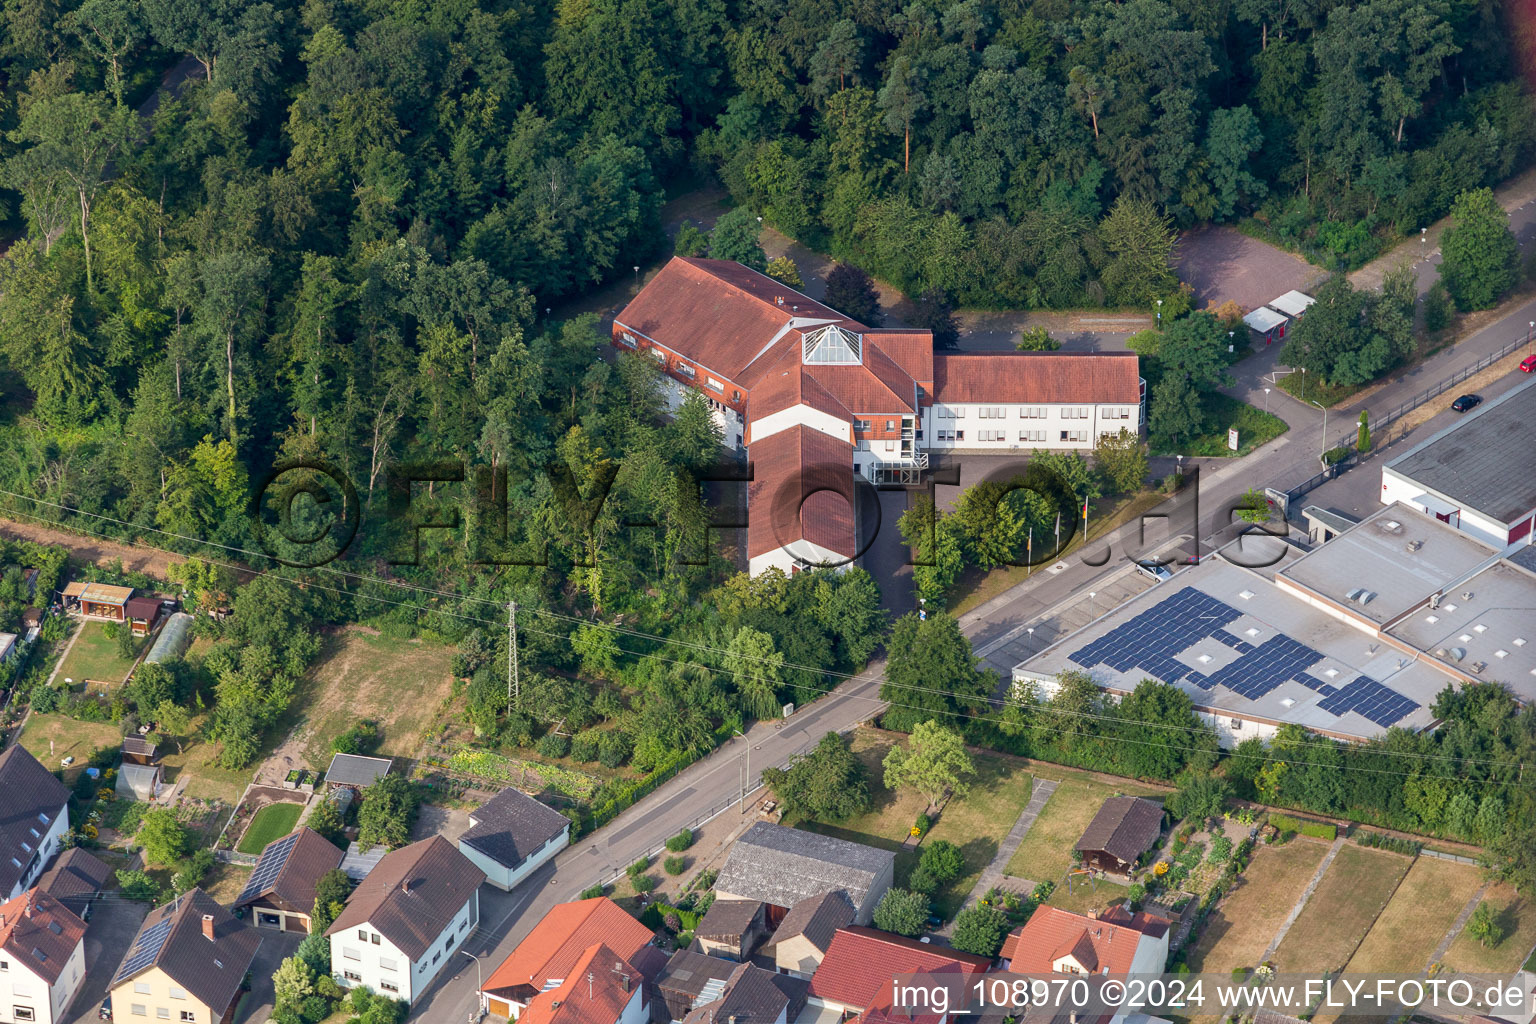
[[514, 683]]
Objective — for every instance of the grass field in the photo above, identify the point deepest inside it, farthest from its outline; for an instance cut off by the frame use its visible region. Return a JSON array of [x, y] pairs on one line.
[[976, 823], [225, 881], [194, 758], [1046, 853], [1356, 889], [397, 683], [1518, 916], [1422, 911], [1237, 934], [69, 739], [1254, 428], [271, 822], [95, 657]]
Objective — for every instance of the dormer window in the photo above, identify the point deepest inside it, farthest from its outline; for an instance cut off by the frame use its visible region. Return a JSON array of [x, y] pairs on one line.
[[832, 344]]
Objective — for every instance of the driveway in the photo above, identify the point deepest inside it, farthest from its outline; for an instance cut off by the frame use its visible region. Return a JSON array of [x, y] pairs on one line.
[[275, 947], [114, 922], [437, 820]]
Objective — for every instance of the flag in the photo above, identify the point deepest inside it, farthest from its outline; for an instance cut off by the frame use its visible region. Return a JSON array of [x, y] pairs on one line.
[[1085, 508], [1029, 545]]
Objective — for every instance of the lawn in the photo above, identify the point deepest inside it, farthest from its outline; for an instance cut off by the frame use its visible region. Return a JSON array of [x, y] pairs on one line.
[[1353, 893], [976, 822], [1422, 911], [225, 881], [399, 684], [271, 822], [51, 738], [1518, 916], [95, 657], [194, 758], [1255, 427], [1237, 933], [1046, 853]]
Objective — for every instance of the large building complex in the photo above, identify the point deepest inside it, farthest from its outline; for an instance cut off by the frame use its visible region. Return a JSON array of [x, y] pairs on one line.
[[815, 398]]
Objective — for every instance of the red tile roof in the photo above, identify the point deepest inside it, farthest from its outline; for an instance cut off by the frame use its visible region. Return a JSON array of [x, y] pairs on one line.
[[911, 350], [720, 314], [786, 384], [563, 936], [876, 386], [861, 962], [802, 489], [1098, 944], [39, 933], [597, 988], [1046, 377]]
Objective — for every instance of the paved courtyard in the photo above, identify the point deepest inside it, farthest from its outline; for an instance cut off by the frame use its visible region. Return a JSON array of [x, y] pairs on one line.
[[1222, 263]]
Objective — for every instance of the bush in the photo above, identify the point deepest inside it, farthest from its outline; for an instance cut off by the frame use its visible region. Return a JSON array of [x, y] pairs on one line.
[[637, 869], [1379, 841], [362, 738], [553, 745], [923, 824], [903, 912], [1315, 829], [585, 746], [681, 841], [675, 865], [643, 883], [591, 892], [942, 860]]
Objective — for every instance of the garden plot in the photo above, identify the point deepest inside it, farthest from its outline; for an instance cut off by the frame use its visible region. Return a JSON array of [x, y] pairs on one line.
[[1240, 929], [1347, 901], [1420, 913]]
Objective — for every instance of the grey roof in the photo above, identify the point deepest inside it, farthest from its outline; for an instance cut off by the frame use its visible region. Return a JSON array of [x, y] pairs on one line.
[[688, 973], [729, 919], [75, 878], [1335, 520], [412, 894], [752, 996], [139, 746], [817, 918], [1483, 462], [174, 639], [512, 825], [1484, 626], [1125, 827], [33, 800], [1525, 557], [356, 770], [139, 778], [783, 866], [172, 939]]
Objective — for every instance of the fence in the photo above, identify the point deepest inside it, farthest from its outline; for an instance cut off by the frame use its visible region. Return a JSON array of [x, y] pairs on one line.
[[1348, 442]]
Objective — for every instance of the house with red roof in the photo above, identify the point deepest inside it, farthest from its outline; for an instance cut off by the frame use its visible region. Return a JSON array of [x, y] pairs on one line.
[[856, 973], [571, 941], [818, 400], [1117, 943]]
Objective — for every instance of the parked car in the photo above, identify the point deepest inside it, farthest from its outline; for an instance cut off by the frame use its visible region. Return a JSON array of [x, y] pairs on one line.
[[1466, 402], [1528, 364], [1155, 572], [105, 1013]]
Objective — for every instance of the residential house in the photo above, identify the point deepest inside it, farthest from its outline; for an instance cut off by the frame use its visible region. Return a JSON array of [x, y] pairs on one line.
[[856, 973], [818, 400], [281, 890], [187, 964], [547, 956], [1124, 828], [407, 920], [805, 933], [76, 880], [97, 600], [356, 772], [43, 945], [1115, 943], [752, 995], [511, 835], [601, 988], [688, 979], [35, 820], [783, 866], [731, 929]]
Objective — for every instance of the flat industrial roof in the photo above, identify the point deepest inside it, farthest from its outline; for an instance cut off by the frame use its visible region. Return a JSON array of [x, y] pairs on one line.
[[1486, 462], [1488, 620], [1237, 643], [1264, 319], [1394, 559], [1292, 303]]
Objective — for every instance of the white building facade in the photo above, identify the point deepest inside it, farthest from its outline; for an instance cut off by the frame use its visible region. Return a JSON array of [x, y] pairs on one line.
[[364, 956]]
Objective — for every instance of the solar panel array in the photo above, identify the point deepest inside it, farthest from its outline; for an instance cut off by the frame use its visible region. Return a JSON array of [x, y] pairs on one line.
[[1152, 640], [272, 860], [147, 948]]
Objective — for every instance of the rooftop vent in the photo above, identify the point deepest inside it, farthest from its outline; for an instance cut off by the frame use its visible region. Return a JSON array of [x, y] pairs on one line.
[[1366, 596], [1434, 601], [1478, 666], [1414, 545], [1457, 653], [1466, 595], [1393, 525], [1354, 595]]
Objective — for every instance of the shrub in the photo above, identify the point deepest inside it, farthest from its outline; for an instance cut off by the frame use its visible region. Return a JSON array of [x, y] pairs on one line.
[[1380, 841], [681, 841], [673, 922], [593, 891], [923, 824], [1315, 829], [1221, 849], [637, 869], [585, 746], [675, 865], [553, 745], [643, 883], [362, 738]]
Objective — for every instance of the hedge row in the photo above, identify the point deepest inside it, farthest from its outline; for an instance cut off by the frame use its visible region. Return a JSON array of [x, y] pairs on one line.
[[1380, 841], [610, 804], [1316, 829]]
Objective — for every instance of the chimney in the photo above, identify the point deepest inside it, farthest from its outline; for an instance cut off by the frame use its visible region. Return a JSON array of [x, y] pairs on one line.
[[2, 920], [1093, 915], [28, 910], [405, 885], [208, 927]]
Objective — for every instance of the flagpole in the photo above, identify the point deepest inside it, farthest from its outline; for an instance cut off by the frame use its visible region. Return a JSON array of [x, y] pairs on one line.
[[1058, 533], [1029, 552]]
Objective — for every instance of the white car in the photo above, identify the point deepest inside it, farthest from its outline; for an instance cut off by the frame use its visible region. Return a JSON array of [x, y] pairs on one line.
[[1157, 573], [67, 761]]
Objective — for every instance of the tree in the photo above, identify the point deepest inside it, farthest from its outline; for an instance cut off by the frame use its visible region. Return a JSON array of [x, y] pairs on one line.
[[903, 912], [735, 237], [1254, 507], [851, 292], [1232, 136], [326, 820], [979, 930], [387, 813], [172, 719], [109, 29], [690, 241], [162, 835], [1121, 460], [137, 885], [1036, 339], [902, 99], [1140, 243], [1484, 925], [292, 983], [192, 871], [934, 313], [1480, 258], [936, 556], [941, 861], [1176, 413], [331, 892], [933, 762], [782, 268], [1200, 795], [931, 671], [757, 668], [825, 784]]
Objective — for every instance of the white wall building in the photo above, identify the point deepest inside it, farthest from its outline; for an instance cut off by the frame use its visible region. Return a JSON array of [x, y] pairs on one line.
[[42, 953], [512, 835], [35, 820]]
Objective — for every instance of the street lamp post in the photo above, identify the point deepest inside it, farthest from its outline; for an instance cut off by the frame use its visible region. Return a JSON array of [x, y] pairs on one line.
[[747, 773], [1266, 400], [1231, 342], [1325, 429], [1303, 383], [479, 995], [1091, 595], [1529, 330], [1159, 314]]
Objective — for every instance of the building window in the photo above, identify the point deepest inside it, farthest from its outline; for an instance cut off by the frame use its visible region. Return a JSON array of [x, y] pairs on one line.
[[685, 370], [861, 446], [178, 993], [959, 435], [385, 964], [139, 1010], [1037, 436], [946, 435], [890, 446], [993, 435], [714, 384], [959, 414], [348, 953], [163, 1012], [188, 1015], [23, 1013], [658, 355], [890, 424], [627, 339], [436, 957], [389, 986], [362, 934], [861, 424], [1031, 412], [141, 988], [375, 938], [351, 976]]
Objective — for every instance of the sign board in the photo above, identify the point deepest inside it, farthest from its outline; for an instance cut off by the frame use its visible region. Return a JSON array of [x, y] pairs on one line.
[[1232, 438], [1280, 499]]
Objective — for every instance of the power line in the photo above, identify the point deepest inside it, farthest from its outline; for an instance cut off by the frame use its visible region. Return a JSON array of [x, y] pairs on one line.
[[567, 638]]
